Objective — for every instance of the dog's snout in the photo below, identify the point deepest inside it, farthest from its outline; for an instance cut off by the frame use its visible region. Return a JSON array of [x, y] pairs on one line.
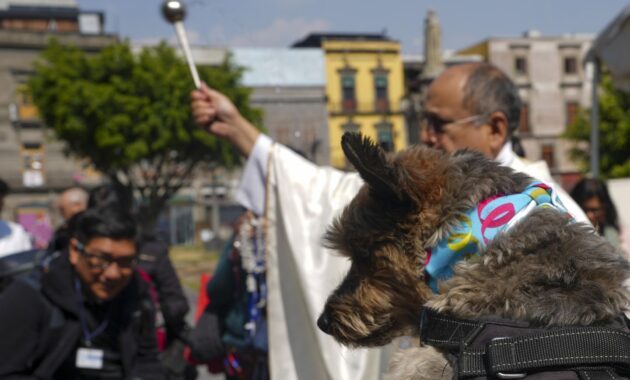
[[323, 322]]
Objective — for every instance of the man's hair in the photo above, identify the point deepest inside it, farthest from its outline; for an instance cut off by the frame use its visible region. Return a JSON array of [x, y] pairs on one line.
[[488, 90], [4, 188], [102, 222]]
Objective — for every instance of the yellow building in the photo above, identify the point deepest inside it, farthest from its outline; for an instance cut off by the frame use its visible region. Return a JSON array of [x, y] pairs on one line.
[[364, 88]]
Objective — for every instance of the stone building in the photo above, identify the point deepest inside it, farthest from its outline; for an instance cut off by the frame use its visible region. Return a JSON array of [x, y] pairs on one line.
[[32, 162]]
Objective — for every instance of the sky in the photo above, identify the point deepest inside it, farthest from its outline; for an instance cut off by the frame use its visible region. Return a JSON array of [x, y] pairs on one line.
[[278, 23]]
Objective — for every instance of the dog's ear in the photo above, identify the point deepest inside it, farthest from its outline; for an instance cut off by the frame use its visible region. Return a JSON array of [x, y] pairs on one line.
[[369, 160]]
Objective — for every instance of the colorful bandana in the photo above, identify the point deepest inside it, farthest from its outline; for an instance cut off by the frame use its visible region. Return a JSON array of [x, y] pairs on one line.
[[482, 223]]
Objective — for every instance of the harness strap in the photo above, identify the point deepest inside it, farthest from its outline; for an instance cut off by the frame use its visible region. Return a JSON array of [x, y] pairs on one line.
[[510, 350]]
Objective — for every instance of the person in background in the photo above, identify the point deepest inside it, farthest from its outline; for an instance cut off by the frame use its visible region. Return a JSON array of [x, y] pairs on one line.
[[157, 268], [13, 237], [86, 314], [593, 197], [70, 202]]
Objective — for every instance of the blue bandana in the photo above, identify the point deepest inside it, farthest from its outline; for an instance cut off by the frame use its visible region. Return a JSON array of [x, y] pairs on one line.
[[481, 224]]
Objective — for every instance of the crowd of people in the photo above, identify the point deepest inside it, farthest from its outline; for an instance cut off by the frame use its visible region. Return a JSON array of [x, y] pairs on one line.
[[88, 309]]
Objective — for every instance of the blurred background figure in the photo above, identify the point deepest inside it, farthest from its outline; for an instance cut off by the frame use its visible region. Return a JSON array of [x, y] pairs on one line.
[[232, 330], [13, 238], [70, 202], [592, 195]]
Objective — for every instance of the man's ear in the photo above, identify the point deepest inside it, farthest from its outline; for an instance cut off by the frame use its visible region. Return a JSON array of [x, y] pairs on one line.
[[72, 251], [499, 131]]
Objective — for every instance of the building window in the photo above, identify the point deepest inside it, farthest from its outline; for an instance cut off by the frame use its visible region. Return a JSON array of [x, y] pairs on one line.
[[348, 90], [33, 165], [26, 109], [385, 136], [548, 155], [351, 126], [524, 122], [380, 89], [570, 65], [520, 65], [572, 110]]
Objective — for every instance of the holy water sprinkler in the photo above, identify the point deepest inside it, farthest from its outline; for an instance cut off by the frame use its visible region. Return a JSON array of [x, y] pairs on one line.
[[175, 12]]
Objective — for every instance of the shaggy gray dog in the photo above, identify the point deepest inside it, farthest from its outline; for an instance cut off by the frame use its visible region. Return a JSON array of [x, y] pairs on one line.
[[546, 270]]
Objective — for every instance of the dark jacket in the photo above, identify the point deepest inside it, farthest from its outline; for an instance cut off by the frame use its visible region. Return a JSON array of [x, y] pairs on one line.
[[155, 261], [40, 328]]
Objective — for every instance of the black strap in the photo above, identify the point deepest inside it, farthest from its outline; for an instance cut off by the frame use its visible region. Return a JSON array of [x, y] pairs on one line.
[[559, 348], [496, 348]]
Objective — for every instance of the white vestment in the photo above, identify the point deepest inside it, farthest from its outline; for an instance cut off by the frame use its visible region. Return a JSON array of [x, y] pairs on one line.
[[302, 200]]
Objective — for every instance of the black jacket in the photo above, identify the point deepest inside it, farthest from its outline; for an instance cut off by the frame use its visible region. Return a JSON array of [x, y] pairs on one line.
[[40, 329], [155, 261]]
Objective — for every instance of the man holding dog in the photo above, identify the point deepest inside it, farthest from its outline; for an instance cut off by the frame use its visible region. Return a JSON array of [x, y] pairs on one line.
[[472, 106]]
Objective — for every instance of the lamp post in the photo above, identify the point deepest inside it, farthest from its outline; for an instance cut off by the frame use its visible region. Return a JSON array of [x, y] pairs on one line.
[[174, 12]]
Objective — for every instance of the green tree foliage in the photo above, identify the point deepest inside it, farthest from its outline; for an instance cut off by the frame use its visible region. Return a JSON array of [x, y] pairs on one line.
[[614, 126], [129, 115]]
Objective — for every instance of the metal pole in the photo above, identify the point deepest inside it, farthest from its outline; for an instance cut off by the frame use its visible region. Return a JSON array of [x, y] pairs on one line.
[[595, 120], [174, 12], [183, 41]]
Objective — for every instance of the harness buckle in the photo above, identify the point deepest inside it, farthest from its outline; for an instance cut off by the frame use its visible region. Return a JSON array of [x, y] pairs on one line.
[[503, 375]]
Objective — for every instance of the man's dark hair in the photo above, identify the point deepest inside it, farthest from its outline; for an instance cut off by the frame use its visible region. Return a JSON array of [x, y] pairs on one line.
[[488, 90], [4, 188], [102, 222]]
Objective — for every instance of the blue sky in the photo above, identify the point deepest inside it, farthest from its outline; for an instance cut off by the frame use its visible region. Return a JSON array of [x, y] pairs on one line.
[[280, 22]]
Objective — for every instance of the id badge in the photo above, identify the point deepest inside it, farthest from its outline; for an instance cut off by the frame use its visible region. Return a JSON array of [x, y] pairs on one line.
[[89, 358]]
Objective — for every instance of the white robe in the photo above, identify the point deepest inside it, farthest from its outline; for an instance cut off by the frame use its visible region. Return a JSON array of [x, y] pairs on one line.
[[302, 200]]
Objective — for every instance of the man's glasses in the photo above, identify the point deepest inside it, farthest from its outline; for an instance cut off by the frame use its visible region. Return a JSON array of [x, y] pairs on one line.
[[436, 124], [101, 261]]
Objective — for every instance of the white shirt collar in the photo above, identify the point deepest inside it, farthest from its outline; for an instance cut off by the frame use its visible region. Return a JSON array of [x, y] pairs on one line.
[[506, 155]]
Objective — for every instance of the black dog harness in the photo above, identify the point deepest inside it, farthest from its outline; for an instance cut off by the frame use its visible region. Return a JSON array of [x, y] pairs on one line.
[[503, 349]]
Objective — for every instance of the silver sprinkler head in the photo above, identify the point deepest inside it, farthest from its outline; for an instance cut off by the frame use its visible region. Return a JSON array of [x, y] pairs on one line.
[[173, 11]]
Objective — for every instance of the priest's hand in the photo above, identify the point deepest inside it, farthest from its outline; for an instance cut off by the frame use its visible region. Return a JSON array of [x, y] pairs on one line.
[[215, 113]]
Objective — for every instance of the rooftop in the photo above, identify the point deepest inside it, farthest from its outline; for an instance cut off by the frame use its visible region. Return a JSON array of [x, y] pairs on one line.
[[316, 39]]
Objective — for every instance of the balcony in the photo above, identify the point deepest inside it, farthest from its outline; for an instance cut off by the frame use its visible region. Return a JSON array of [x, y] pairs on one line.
[[352, 107]]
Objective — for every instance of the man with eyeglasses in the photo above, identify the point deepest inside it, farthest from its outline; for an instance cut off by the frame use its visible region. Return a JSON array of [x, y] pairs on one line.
[[469, 106], [476, 106], [87, 314]]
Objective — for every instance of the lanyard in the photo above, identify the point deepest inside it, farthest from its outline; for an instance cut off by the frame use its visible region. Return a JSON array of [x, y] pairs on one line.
[[87, 335]]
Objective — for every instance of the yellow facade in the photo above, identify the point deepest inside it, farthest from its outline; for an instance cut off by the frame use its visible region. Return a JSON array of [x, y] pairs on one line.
[[364, 88], [481, 49]]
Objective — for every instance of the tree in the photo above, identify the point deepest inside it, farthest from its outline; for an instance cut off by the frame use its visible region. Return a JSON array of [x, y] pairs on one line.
[[129, 115], [614, 126]]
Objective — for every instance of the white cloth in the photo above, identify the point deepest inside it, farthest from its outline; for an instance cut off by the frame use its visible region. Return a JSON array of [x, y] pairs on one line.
[[302, 202], [540, 171], [13, 238], [301, 273]]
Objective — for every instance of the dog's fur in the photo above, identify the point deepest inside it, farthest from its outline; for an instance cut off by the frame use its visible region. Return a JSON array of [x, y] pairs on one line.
[[545, 270]]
